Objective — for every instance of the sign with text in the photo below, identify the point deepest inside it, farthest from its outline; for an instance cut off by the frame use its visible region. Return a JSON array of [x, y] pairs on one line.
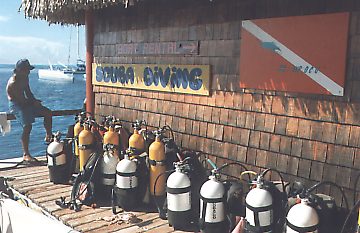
[[189, 79], [304, 54], [176, 47]]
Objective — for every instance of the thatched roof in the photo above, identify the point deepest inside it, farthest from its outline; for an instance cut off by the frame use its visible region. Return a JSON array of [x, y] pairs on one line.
[[66, 11]]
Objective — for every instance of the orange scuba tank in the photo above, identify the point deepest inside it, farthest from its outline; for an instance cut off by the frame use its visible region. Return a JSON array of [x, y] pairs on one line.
[[86, 145], [111, 140], [157, 165], [136, 140], [78, 127]]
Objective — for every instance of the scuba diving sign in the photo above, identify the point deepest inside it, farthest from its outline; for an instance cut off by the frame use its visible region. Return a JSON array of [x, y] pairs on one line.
[[187, 79]]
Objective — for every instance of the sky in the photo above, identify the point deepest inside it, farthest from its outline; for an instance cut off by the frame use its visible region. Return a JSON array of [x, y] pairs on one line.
[[35, 39]]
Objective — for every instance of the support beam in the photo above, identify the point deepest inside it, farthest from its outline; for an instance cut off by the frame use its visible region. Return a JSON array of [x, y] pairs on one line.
[[89, 26]]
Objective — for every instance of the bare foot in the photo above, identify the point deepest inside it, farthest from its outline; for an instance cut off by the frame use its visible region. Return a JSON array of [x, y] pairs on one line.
[[27, 157]]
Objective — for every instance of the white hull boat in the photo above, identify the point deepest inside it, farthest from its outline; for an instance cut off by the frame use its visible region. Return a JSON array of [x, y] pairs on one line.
[[17, 218], [58, 75]]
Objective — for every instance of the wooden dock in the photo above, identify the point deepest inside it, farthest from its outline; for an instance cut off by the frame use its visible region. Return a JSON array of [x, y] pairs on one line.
[[33, 182]]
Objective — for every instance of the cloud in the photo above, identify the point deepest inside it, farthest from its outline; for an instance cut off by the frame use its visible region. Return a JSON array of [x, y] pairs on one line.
[[4, 18], [37, 50]]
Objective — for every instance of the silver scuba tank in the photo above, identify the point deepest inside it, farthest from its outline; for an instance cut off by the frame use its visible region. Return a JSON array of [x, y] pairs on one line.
[[302, 218], [212, 205], [125, 191], [178, 193], [259, 209], [56, 158]]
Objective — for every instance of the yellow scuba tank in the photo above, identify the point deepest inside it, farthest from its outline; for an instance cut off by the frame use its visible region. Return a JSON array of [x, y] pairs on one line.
[[86, 145], [136, 140], [111, 140], [157, 165], [77, 129]]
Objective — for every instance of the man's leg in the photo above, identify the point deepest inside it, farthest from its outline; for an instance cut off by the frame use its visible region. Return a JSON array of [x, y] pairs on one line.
[[48, 123], [25, 138], [47, 114]]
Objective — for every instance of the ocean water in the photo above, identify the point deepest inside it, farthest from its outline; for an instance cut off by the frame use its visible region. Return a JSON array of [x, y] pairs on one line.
[[54, 95]]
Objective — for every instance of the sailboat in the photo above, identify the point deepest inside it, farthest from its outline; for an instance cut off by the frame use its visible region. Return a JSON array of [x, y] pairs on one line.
[[65, 73]]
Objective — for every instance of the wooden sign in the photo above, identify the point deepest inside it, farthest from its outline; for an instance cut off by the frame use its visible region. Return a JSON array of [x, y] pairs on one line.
[[158, 48], [190, 79], [299, 54]]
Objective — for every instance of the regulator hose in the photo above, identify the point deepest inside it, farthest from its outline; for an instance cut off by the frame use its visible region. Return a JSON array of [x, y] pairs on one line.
[[277, 172], [348, 217], [333, 184], [160, 209], [237, 164], [171, 131]]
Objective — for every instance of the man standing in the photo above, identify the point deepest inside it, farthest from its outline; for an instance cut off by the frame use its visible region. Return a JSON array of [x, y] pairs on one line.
[[25, 106]]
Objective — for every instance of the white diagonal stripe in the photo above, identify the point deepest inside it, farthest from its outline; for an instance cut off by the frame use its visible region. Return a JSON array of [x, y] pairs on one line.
[[293, 58]]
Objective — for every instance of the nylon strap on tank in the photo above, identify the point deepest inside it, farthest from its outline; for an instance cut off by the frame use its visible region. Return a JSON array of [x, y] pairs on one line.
[[256, 211], [302, 229], [204, 205], [157, 163], [107, 175], [86, 147], [212, 200], [178, 190], [54, 156], [109, 146], [259, 228], [135, 151], [126, 174]]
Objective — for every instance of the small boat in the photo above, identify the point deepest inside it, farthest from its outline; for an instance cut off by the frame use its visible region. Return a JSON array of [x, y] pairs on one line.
[[64, 74], [80, 69], [20, 214]]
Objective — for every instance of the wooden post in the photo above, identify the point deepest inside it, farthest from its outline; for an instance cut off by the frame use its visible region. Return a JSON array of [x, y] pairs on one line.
[[89, 26]]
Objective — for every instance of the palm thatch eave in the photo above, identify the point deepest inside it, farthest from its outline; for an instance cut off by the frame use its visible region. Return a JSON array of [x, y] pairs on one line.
[[66, 11]]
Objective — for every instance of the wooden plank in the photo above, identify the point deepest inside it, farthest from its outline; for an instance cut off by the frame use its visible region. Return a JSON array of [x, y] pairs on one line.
[[158, 225], [67, 214], [52, 197], [39, 188], [31, 177], [22, 170], [145, 217], [26, 182], [49, 192], [54, 113], [93, 218]]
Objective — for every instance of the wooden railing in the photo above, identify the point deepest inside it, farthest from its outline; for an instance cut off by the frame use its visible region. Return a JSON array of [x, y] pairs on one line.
[[54, 113]]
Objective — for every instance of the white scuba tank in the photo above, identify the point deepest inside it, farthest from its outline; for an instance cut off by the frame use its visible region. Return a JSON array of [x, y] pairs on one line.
[[259, 209], [212, 199], [108, 165], [178, 193], [302, 218], [55, 153], [126, 174]]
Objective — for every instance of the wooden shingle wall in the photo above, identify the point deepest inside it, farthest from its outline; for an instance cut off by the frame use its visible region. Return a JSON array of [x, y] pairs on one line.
[[307, 137]]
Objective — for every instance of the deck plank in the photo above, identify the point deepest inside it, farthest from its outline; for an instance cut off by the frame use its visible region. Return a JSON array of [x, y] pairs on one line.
[[34, 183]]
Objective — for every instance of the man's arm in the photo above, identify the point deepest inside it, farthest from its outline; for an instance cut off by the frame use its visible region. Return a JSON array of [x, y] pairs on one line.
[[13, 95], [29, 94]]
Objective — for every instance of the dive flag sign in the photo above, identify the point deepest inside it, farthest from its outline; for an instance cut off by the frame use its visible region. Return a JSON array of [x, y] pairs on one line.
[[304, 54]]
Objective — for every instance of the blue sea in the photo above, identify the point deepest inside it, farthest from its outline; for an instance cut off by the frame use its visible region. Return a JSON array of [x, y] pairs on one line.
[[54, 95]]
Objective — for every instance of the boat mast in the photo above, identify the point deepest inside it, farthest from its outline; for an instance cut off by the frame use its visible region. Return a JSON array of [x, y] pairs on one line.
[[69, 49], [78, 51]]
